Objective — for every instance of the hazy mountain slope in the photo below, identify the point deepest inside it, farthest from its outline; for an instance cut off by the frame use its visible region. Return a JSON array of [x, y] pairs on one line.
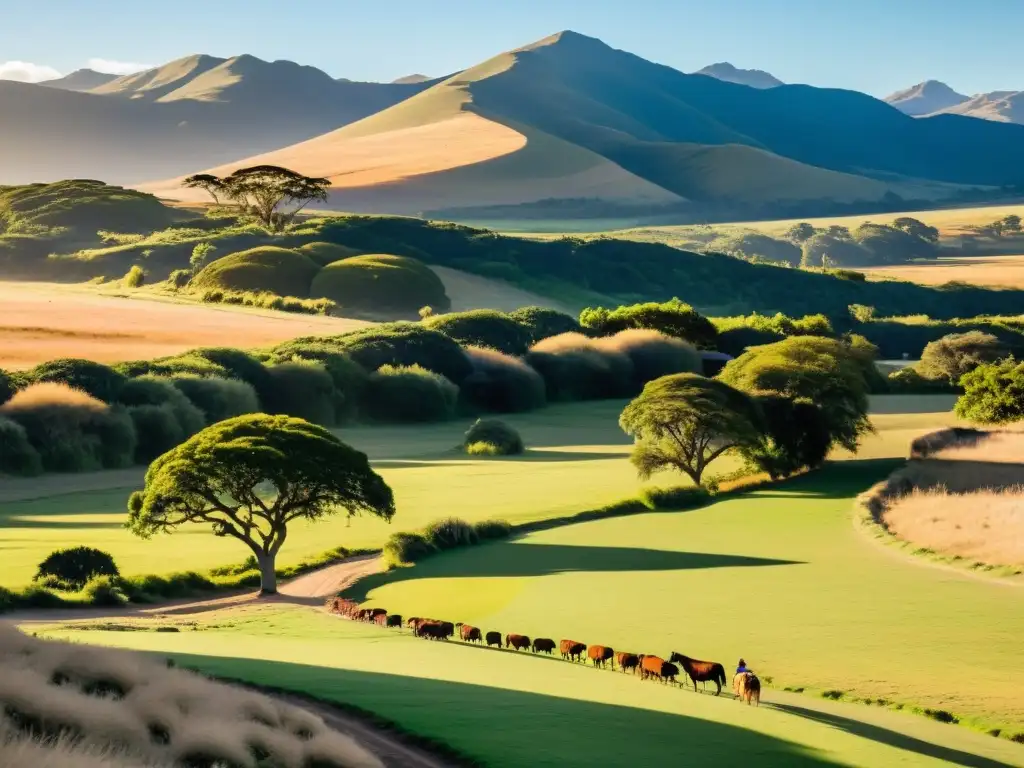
[[999, 106], [412, 79], [755, 78], [155, 83], [80, 80], [925, 98]]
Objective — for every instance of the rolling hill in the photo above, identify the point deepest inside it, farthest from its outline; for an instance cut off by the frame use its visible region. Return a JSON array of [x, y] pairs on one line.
[[755, 78], [192, 112], [570, 119], [80, 80]]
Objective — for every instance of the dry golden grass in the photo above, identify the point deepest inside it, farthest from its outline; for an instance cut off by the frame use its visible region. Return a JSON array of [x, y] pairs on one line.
[[980, 526], [42, 321], [51, 393], [67, 705], [999, 446], [993, 271]]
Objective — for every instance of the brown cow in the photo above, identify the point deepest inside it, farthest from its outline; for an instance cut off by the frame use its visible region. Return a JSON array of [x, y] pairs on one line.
[[375, 612], [470, 634], [493, 638], [701, 670], [431, 630], [394, 620], [651, 666], [627, 661], [381, 619], [519, 642], [599, 654], [448, 628], [543, 645], [572, 650], [669, 671]]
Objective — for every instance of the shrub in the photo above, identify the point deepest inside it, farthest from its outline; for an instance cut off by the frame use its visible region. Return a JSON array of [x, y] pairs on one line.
[[179, 279], [17, 456], [348, 377], [755, 246], [240, 365], [483, 328], [152, 390], [575, 368], [73, 568], [993, 393], [736, 341], [403, 344], [327, 253], [266, 268], [796, 435], [488, 530], [653, 354], [100, 381], [543, 322], [501, 383], [675, 498], [157, 429], [218, 398], [8, 386], [405, 548], [409, 394], [302, 389], [450, 533], [907, 381], [492, 437], [952, 356], [70, 430], [104, 591], [827, 250], [268, 300], [186, 363], [673, 318], [381, 284], [134, 277]]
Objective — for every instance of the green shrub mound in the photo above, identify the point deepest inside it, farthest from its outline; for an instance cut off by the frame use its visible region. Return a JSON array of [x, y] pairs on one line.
[[406, 548], [101, 381], [348, 377], [653, 354], [757, 247], [409, 394], [381, 284], [575, 367], [217, 398], [403, 344], [450, 533], [17, 456], [993, 393], [266, 268], [158, 429], [501, 383], [952, 356], [544, 323], [8, 386], [242, 366], [71, 430], [303, 389], [327, 253], [153, 390], [187, 364], [484, 328], [71, 569], [673, 318], [492, 437], [907, 381], [736, 341]]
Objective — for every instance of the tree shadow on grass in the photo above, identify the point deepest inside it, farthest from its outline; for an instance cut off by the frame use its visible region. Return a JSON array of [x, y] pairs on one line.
[[835, 480], [892, 738], [496, 726], [16, 521], [511, 559]]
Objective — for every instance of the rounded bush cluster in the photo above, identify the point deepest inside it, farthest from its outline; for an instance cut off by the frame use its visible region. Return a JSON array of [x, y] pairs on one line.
[[492, 437], [484, 328], [267, 268], [381, 284], [410, 394], [71, 569], [327, 253]]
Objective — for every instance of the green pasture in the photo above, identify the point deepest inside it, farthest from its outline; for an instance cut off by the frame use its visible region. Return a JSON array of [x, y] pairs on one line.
[[508, 709]]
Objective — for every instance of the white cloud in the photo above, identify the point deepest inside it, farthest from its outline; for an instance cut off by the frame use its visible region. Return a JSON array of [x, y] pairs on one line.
[[26, 72], [112, 67]]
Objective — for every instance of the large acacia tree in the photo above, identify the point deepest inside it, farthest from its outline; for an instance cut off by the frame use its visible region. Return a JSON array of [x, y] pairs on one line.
[[685, 422], [250, 477]]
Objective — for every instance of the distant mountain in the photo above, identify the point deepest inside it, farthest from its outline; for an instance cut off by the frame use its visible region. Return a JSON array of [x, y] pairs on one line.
[[412, 79], [925, 98], [80, 80], [195, 111], [1000, 106], [568, 119], [755, 78]]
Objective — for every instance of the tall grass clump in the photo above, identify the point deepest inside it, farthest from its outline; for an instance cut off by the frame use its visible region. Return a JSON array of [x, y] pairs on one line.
[[134, 277], [71, 430], [268, 300], [652, 353], [218, 398], [492, 437], [411, 393], [501, 383], [303, 389], [17, 456], [574, 367]]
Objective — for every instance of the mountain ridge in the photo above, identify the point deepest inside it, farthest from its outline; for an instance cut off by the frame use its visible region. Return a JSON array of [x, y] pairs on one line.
[[755, 78], [80, 80]]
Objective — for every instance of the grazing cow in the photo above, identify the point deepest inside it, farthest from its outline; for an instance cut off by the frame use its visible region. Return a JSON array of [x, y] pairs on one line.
[[470, 634], [627, 661], [394, 620], [493, 638], [448, 628], [651, 666], [669, 671], [381, 619], [519, 642], [747, 687], [701, 670], [375, 612], [543, 645], [412, 622], [362, 614], [431, 630], [599, 654], [572, 650]]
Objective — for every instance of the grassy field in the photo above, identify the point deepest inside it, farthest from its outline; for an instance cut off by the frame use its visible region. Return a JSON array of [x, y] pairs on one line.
[[508, 709], [990, 271], [577, 462]]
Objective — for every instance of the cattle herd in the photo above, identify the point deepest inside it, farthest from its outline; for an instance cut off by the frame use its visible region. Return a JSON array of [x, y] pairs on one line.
[[746, 685]]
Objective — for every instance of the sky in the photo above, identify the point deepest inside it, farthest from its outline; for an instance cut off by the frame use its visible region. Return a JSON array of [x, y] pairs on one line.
[[875, 46]]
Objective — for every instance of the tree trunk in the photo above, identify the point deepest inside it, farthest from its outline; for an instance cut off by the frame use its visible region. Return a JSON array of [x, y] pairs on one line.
[[268, 578]]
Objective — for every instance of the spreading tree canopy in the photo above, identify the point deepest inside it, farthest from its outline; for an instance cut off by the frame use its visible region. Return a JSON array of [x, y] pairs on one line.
[[251, 476], [955, 354], [685, 422]]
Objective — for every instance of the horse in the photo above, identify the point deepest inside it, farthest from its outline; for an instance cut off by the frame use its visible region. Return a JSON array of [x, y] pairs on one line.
[[700, 670], [747, 687]]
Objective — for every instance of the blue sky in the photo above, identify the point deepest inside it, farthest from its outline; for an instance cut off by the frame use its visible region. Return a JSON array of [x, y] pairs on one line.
[[876, 46]]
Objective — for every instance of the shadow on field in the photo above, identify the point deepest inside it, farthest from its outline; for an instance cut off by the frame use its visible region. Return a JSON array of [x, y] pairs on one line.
[[519, 559], [496, 726], [16, 521], [892, 738], [836, 480]]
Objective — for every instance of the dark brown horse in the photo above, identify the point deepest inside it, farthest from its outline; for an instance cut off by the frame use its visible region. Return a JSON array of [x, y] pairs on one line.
[[700, 670]]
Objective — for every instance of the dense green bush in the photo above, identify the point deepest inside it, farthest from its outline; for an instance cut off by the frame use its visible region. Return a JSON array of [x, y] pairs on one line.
[[756, 246], [492, 437], [303, 389], [73, 568], [157, 429], [409, 394], [17, 456], [450, 533], [349, 378], [406, 548], [218, 398], [180, 279], [134, 277], [8, 386], [796, 436], [403, 344], [266, 268], [501, 383], [152, 390], [993, 393], [574, 367], [907, 381], [674, 498], [898, 336], [104, 591], [240, 365], [673, 318], [952, 356], [736, 341], [187, 363], [489, 530], [268, 300], [543, 322], [70, 430], [483, 328], [327, 253], [381, 284], [890, 245], [826, 250], [100, 381], [653, 354]]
